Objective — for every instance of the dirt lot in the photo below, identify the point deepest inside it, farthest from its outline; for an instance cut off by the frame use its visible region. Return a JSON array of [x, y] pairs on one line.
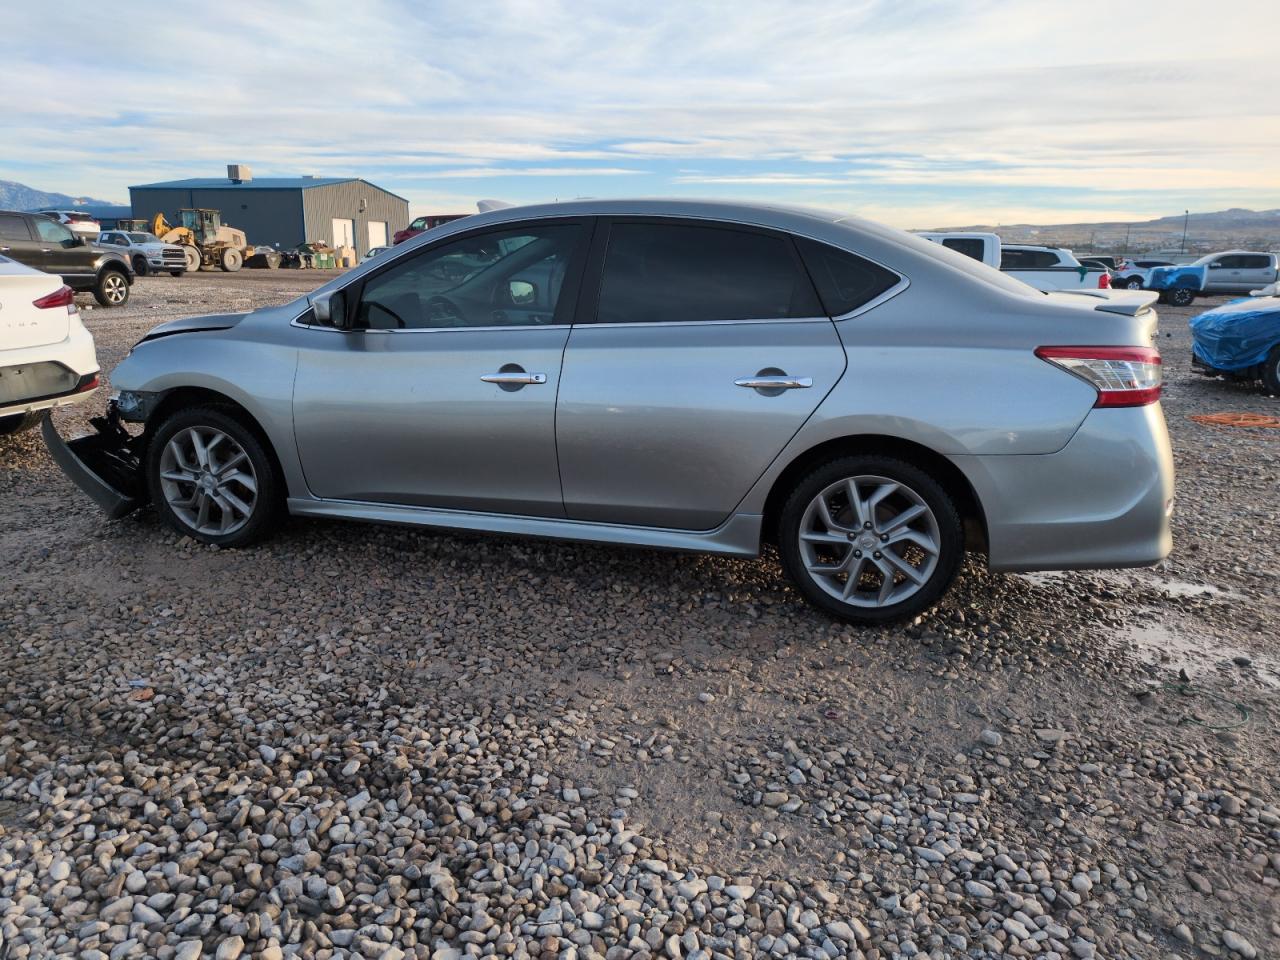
[[380, 742]]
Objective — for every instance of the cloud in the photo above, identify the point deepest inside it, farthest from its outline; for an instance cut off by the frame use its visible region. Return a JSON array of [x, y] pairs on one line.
[[872, 103]]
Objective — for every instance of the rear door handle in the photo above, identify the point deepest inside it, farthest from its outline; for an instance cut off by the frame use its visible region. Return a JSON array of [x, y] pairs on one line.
[[774, 383], [514, 378]]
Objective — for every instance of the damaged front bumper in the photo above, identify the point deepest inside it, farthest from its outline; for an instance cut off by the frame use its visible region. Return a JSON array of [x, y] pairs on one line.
[[107, 465]]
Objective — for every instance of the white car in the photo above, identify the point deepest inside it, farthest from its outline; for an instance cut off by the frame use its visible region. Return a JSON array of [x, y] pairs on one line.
[[1133, 274], [373, 252], [47, 357], [78, 222], [147, 252]]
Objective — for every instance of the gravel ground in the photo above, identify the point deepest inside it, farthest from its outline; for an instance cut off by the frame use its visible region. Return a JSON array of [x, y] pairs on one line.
[[356, 741]]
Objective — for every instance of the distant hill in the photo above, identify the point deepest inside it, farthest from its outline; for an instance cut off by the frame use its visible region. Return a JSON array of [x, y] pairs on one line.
[[18, 196], [1220, 229]]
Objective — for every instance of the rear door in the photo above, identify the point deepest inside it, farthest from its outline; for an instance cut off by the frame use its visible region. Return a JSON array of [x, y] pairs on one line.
[[61, 252], [707, 349], [1257, 270], [18, 242]]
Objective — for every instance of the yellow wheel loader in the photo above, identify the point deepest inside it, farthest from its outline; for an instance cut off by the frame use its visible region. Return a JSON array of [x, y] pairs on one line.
[[205, 240]]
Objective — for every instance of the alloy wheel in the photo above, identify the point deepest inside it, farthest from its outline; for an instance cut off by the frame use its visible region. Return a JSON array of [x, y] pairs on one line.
[[869, 541], [208, 481], [114, 288]]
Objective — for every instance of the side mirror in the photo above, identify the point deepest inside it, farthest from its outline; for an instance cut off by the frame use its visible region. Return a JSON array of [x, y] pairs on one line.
[[331, 308], [522, 293]]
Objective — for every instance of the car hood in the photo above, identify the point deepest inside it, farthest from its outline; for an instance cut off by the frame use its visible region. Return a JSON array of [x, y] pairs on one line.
[[217, 321]]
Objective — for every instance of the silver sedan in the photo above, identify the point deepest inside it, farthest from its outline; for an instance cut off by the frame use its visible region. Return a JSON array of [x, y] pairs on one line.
[[684, 375]]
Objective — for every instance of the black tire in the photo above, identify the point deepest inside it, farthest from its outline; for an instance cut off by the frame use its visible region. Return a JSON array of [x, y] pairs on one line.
[[1182, 297], [1271, 371], [19, 422], [949, 529], [268, 508], [111, 288], [140, 266], [232, 260], [176, 273], [1133, 283]]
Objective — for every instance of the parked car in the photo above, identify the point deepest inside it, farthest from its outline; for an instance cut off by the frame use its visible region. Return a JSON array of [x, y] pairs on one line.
[[47, 357], [689, 375], [1045, 268], [1107, 261], [1238, 271], [423, 224], [1240, 341], [373, 252], [1050, 268], [47, 245], [77, 221], [1133, 274], [146, 251]]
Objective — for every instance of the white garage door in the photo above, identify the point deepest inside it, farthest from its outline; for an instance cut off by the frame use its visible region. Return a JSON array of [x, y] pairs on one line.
[[344, 232], [377, 233]]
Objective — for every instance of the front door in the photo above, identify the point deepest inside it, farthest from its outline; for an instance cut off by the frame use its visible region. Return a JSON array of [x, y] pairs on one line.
[[444, 392], [708, 352]]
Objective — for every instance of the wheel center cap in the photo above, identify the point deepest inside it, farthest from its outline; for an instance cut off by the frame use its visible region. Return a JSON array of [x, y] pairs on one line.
[[207, 483], [867, 541]]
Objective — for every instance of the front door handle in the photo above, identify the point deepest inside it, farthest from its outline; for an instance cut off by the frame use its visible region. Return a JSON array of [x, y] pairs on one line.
[[519, 378], [782, 382]]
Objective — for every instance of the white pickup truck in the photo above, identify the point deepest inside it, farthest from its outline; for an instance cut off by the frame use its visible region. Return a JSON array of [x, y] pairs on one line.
[[1045, 268]]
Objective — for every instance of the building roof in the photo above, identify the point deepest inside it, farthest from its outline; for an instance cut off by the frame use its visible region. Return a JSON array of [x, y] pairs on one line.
[[257, 183]]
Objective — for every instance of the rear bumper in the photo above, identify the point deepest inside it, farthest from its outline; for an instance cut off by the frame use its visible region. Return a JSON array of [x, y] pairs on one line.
[[1104, 500], [104, 464]]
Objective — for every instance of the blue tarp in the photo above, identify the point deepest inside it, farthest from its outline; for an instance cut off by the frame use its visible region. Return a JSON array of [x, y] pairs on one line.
[[1237, 334], [1177, 278]]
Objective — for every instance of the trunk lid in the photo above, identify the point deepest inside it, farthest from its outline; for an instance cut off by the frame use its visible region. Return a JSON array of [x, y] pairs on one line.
[[22, 324]]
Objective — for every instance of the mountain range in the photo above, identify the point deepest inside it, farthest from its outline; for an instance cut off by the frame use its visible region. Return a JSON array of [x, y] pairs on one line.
[[18, 196], [1235, 222]]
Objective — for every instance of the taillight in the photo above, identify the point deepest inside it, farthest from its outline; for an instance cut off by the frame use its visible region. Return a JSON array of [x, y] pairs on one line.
[[62, 297], [1123, 376], [1104, 281]]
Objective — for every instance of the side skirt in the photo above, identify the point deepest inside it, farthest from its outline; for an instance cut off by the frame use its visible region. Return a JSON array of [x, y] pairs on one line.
[[738, 536]]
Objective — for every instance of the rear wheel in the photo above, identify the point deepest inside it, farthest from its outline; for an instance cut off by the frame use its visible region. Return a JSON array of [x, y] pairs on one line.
[[231, 260], [870, 539], [1271, 371], [19, 422], [140, 266], [212, 479], [112, 288]]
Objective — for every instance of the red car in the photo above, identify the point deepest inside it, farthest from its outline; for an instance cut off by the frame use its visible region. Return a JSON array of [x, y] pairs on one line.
[[423, 224]]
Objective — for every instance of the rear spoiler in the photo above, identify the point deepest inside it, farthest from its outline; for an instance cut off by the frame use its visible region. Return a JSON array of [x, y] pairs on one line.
[[1127, 303]]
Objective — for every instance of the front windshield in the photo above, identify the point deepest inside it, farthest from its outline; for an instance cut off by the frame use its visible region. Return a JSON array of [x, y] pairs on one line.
[[144, 238]]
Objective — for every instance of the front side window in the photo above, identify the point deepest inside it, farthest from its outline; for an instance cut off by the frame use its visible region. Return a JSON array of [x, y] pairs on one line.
[[671, 273], [502, 279], [52, 232]]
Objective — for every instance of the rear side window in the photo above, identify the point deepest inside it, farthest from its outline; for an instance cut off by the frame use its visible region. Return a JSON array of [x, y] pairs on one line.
[[969, 246], [1256, 261], [671, 273], [845, 280], [1028, 259], [13, 228]]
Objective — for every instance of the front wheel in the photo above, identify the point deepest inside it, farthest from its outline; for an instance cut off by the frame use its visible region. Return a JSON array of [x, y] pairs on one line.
[[870, 539], [1133, 283], [112, 288], [212, 479], [231, 260], [1271, 371], [1182, 297], [176, 273]]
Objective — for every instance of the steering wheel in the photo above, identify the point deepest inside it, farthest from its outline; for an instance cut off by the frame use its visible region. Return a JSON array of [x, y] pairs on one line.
[[445, 311]]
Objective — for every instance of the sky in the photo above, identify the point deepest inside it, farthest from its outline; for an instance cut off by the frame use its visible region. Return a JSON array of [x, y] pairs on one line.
[[913, 112]]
